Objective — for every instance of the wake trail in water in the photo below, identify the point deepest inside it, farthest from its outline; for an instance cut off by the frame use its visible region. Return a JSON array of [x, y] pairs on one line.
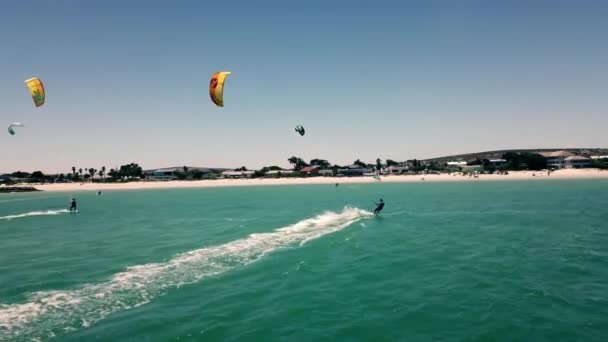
[[35, 213], [28, 199], [51, 312]]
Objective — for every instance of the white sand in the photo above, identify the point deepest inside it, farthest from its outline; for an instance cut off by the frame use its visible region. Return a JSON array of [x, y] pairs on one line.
[[519, 175]]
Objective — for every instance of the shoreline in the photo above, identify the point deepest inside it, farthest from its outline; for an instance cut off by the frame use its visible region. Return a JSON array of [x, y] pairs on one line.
[[513, 175]]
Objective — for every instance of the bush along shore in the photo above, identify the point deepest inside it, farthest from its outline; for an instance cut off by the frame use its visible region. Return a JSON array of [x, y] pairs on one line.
[[9, 189]]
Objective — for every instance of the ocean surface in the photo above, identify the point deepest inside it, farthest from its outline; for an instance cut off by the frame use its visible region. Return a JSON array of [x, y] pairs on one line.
[[470, 261]]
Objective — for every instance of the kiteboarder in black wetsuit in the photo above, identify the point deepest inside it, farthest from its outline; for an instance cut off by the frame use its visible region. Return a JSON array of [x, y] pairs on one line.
[[73, 205], [379, 207]]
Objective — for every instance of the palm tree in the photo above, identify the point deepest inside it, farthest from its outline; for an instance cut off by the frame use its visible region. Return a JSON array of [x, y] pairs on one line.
[[293, 160], [74, 170], [80, 171], [359, 163], [102, 172], [92, 172], [378, 165]]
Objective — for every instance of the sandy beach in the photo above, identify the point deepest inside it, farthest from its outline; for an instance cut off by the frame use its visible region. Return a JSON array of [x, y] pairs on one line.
[[513, 175]]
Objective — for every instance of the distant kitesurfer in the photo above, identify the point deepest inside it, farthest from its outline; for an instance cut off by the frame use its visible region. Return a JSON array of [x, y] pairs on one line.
[[379, 207], [73, 205]]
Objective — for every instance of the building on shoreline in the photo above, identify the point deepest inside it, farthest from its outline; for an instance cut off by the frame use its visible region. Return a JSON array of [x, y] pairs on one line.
[[577, 162], [237, 174], [556, 159], [311, 170], [326, 173], [566, 160], [173, 173], [396, 170], [457, 163], [278, 173], [165, 174], [353, 170]]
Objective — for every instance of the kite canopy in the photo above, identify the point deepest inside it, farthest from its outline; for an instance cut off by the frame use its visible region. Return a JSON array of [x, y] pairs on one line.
[[216, 87], [300, 130], [36, 90], [11, 131]]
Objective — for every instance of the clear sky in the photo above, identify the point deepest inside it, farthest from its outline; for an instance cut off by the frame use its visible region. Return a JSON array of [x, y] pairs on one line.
[[127, 81]]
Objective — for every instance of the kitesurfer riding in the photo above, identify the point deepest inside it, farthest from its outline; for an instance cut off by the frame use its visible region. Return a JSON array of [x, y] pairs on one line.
[[379, 207], [73, 205]]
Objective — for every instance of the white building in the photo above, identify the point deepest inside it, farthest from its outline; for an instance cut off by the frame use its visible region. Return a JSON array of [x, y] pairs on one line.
[[277, 173], [396, 170], [497, 162], [457, 163], [556, 159], [238, 174], [353, 170], [577, 162], [162, 174]]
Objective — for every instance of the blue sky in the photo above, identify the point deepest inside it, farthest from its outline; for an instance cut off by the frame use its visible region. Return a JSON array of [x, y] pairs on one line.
[[127, 81]]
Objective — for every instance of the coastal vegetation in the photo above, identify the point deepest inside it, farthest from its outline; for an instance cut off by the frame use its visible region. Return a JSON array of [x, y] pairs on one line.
[[515, 160]]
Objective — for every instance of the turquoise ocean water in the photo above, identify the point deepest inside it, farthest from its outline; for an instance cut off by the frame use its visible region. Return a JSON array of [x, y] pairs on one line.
[[475, 261]]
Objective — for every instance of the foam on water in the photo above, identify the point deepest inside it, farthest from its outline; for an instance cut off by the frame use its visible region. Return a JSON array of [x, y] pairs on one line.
[[35, 213], [50, 312]]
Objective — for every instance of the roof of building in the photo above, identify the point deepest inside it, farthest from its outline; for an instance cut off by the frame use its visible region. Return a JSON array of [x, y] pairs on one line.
[[577, 158], [556, 154], [309, 168], [274, 172], [237, 173]]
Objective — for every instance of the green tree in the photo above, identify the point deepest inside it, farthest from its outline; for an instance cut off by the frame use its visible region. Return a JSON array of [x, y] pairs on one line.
[[37, 175], [298, 163], [185, 169], [523, 161], [102, 172], [360, 163], [131, 170], [378, 164], [242, 168], [271, 168], [80, 172], [322, 163], [113, 174], [197, 174], [390, 162], [20, 174]]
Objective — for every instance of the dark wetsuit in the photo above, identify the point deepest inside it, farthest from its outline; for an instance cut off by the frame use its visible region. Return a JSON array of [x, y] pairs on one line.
[[73, 205], [379, 208]]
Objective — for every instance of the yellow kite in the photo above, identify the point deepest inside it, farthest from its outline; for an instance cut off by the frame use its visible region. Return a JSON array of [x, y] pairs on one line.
[[36, 90], [216, 87]]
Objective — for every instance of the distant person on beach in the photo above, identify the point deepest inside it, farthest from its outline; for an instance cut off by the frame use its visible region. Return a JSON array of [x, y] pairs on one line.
[[379, 207], [73, 205]]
